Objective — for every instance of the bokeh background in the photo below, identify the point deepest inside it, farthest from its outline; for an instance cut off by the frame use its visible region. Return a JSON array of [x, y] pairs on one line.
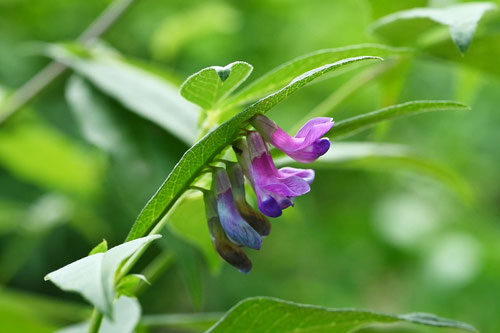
[[381, 237]]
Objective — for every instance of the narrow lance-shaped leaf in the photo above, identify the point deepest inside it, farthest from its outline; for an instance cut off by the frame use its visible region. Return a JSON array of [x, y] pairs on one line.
[[92, 113], [282, 75], [353, 125], [195, 159], [143, 92], [387, 157], [99, 248], [280, 316], [195, 322], [462, 19], [93, 276], [211, 85]]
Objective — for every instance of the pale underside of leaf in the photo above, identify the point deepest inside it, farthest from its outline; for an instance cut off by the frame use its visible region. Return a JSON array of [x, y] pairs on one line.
[[462, 19], [265, 315], [93, 276], [128, 312], [148, 95], [197, 157]]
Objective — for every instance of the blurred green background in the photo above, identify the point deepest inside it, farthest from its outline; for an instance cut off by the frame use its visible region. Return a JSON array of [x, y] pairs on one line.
[[382, 238]]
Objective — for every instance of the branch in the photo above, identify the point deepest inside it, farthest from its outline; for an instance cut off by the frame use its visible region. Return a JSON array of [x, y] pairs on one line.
[[53, 70]]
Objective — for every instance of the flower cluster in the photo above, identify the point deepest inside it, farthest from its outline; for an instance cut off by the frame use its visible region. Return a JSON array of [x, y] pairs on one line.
[[233, 223]]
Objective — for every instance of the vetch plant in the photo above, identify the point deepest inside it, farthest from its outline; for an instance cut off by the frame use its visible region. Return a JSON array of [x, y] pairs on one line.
[[236, 146]]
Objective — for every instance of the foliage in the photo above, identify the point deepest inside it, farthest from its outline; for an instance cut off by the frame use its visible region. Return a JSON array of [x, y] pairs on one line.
[[358, 239], [274, 315]]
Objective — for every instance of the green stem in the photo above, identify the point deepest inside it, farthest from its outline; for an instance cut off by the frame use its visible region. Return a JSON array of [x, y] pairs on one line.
[[95, 321], [53, 70]]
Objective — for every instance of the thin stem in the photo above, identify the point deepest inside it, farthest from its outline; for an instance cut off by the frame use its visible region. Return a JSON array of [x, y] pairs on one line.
[[176, 319], [53, 70], [95, 321], [221, 160], [197, 188]]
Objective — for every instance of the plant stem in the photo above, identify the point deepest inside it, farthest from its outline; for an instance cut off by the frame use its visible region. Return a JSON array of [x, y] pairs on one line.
[[95, 321], [53, 70]]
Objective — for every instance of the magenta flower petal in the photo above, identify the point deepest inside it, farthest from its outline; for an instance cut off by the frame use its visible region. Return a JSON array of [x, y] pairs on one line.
[[237, 229], [253, 217], [306, 146], [305, 174], [275, 188]]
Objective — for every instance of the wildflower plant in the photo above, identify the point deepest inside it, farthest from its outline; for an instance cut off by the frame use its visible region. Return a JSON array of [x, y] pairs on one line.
[[234, 144]]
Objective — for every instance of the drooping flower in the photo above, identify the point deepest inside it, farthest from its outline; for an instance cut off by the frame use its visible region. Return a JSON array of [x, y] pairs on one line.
[[236, 228], [275, 189], [257, 220], [229, 251], [307, 145]]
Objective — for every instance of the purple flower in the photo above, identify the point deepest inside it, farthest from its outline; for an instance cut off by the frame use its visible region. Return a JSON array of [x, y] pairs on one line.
[[306, 146], [257, 220], [237, 229], [229, 251], [275, 188]]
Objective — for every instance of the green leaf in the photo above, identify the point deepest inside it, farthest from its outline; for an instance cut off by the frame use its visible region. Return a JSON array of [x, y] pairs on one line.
[[78, 169], [387, 157], [92, 113], [129, 283], [127, 312], [191, 322], [486, 47], [462, 19], [263, 314], [284, 74], [211, 85], [353, 125], [195, 159], [23, 312], [94, 276], [101, 247], [144, 92]]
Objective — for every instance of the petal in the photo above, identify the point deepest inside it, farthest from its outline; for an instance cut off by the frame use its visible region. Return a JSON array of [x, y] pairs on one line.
[[237, 229], [234, 255], [291, 186], [256, 145], [263, 169], [229, 251], [316, 125], [256, 220], [269, 206], [312, 152], [307, 135], [305, 174]]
